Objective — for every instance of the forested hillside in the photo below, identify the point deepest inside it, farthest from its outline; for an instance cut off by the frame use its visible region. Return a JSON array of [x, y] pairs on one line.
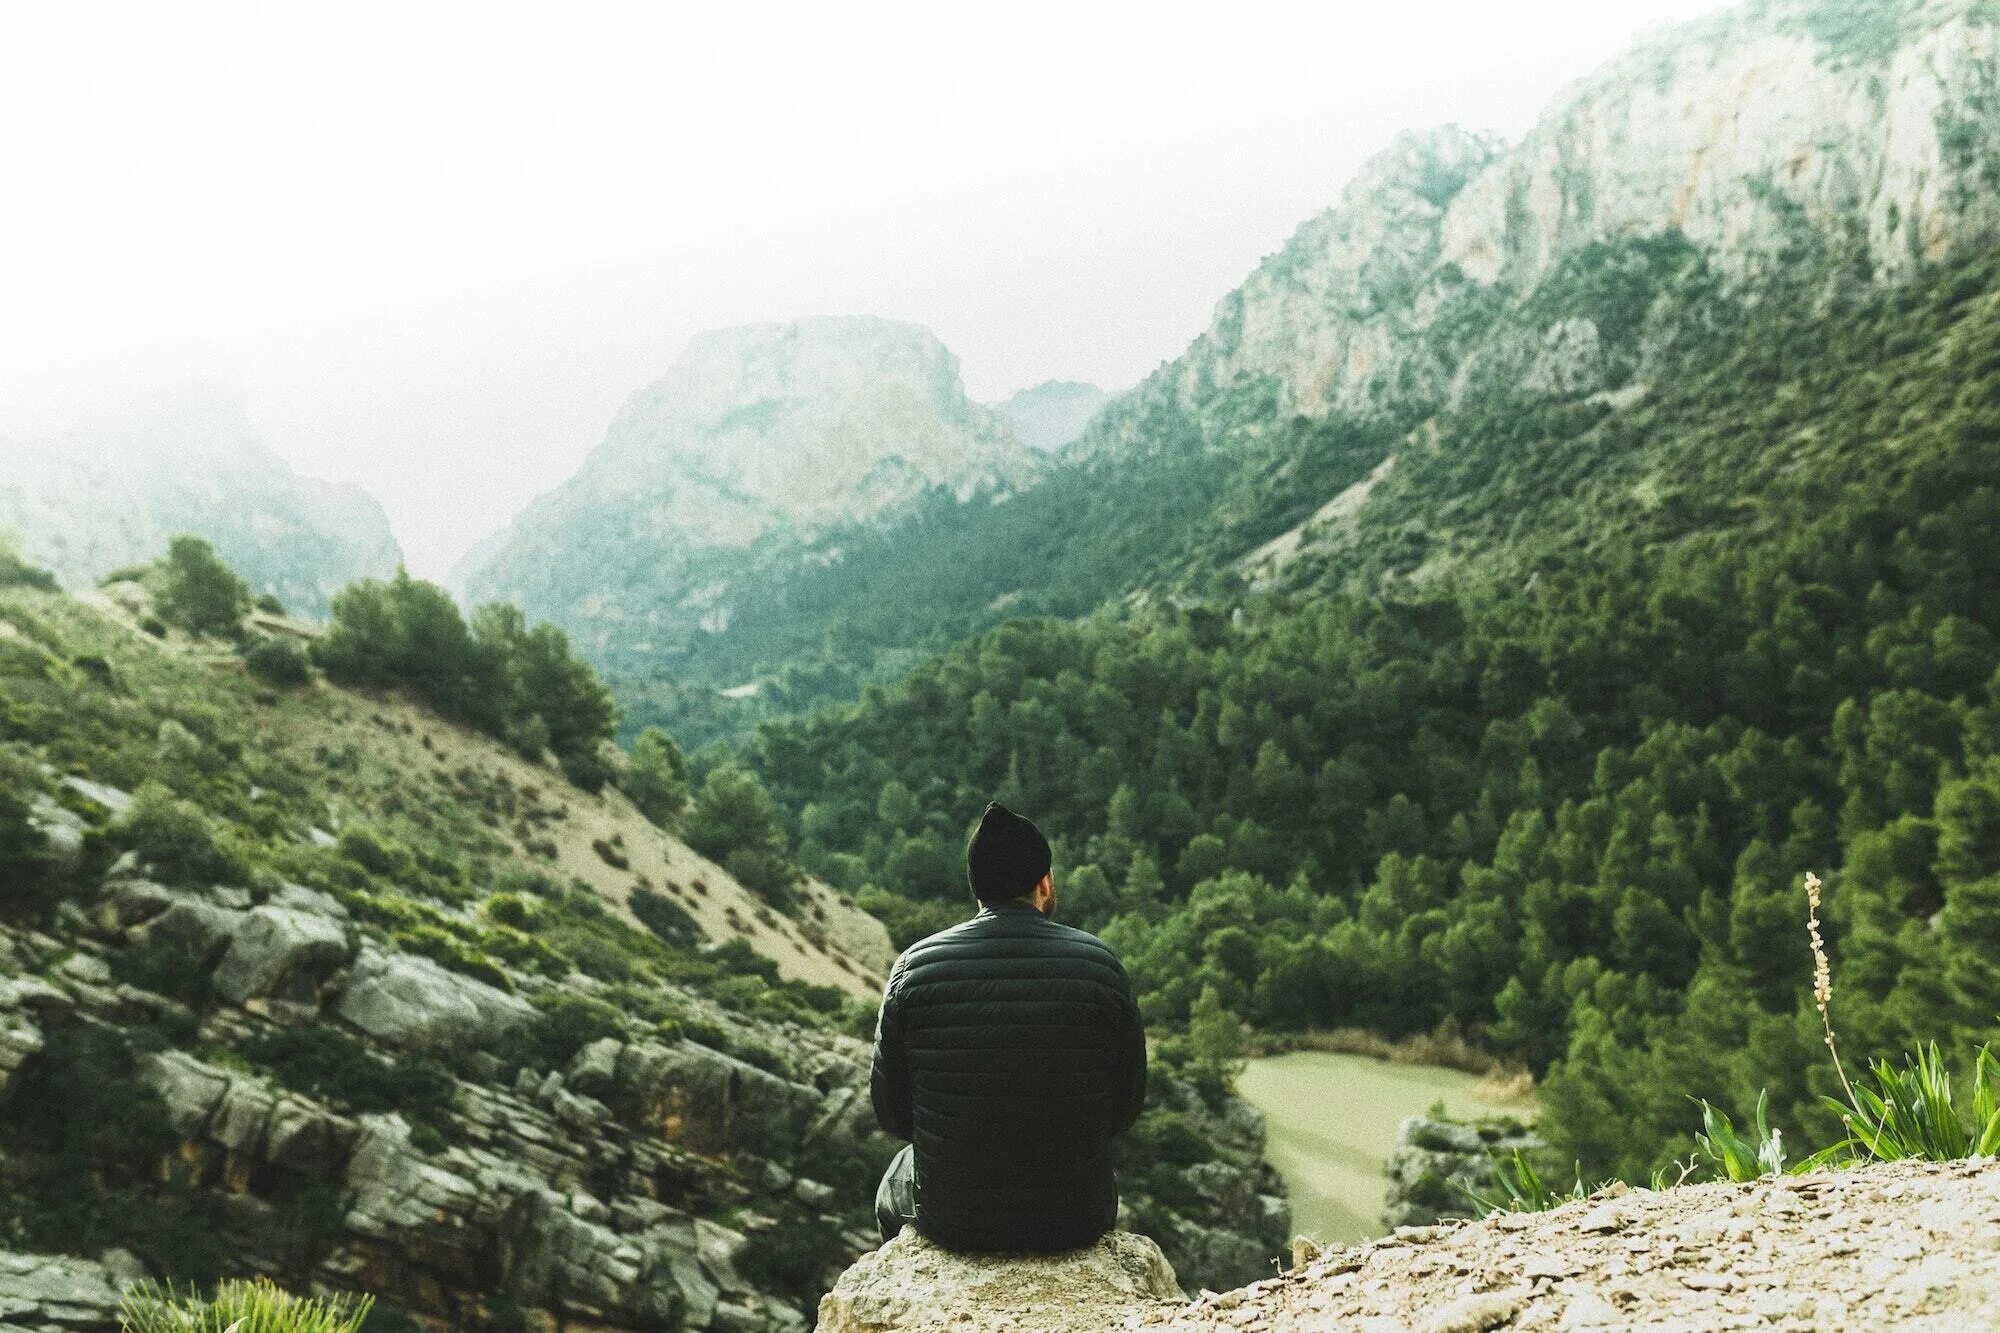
[[1542, 746]]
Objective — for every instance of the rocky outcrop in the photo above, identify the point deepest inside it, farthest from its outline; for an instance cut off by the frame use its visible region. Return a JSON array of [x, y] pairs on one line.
[[910, 1285], [1907, 1245], [1050, 415], [282, 953], [413, 1004], [1438, 1165], [1756, 134], [57, 1293]]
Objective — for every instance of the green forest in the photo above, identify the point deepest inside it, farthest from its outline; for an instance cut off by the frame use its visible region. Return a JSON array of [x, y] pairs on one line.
[[1542, 749]]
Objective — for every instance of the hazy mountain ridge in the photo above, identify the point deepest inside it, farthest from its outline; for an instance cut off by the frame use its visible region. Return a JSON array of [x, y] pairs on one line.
[[96, 476], [1049, 415], [757, 441]]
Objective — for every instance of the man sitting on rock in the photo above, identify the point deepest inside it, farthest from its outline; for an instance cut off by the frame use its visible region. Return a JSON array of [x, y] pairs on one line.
[[1010, 1053]]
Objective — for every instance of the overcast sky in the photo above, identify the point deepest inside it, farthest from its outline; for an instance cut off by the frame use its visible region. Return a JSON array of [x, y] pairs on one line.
[[443, 243]]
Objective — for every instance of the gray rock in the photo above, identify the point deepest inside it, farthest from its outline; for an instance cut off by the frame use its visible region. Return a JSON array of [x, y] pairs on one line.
[[197, 927], [910, 1282], [412, 1003], [58, 1292], [62, 830], [299, 898], [281, 953], [708, 1101], [111, 798]]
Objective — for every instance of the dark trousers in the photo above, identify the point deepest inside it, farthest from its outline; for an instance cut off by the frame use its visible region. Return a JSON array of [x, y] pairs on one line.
[[896, 1196]]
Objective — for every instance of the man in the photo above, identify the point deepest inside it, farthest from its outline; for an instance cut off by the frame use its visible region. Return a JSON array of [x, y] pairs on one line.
[[1010, 1053]]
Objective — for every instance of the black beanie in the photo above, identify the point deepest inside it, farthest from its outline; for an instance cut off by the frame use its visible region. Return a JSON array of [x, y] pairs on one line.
[[1007, 856]]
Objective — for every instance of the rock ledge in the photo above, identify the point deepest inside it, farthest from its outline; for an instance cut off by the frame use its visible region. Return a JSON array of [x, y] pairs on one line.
[[911, 1285]]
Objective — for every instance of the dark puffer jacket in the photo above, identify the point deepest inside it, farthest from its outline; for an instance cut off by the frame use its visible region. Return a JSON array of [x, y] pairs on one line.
[[1009, 1051]]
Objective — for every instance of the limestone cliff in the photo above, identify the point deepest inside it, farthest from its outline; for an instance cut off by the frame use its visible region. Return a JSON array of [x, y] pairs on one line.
[[99, 473], [1050, 415], [1764, 135], [757, 441]]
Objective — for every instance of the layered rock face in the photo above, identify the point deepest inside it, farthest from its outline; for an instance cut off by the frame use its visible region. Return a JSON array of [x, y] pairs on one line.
[[758, 440], [709, 1172], [98, 475]]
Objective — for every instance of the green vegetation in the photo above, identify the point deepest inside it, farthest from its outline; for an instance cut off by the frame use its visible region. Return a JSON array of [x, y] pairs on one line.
[[1540, 746], [735, 822], [495, 674], [656, 777], [18, 573], [240, 1307], [198, 593], [278, 662]]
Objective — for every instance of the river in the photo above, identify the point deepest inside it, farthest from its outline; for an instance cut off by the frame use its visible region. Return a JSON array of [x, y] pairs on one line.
[[1333, 1121]]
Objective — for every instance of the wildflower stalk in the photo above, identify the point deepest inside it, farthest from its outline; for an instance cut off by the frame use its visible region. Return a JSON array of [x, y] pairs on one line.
[[1823, 983]]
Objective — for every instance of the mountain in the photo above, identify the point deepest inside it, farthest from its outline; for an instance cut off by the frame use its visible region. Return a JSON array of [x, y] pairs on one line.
[[97, 473], [1052, 413], [752, 447], [1780, 144], [1541, 564]]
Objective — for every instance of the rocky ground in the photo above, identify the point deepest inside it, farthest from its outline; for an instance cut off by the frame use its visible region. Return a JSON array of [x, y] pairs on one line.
[[1909, 1245]]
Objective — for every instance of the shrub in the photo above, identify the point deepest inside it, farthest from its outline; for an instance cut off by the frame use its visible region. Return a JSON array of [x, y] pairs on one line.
[[326, 1063], [177, 840], [163, 968], [278, 662], [665, 917], [198, 592], [18, 573], [656, 777], [448, 950], [269, 604], [794, 1259], [255, 1306], [568, 1023]]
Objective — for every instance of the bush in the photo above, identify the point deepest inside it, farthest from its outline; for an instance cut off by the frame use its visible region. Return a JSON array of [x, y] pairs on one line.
[[279, 662], [447, 950], [18, 573], [568, 1023], [198, 592], [164, 968], [240, 1307], [665, 917], [177, 841], [656, 777], [326, 1063], [795, 1258]]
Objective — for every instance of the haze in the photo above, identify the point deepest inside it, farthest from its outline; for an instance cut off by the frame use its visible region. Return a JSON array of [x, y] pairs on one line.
[[442, 245]]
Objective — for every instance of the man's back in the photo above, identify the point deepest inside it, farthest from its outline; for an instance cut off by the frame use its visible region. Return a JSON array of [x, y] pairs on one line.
[[1010, 1053]]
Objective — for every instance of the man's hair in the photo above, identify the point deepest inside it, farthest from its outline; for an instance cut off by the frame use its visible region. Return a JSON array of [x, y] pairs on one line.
[[1007, 856]]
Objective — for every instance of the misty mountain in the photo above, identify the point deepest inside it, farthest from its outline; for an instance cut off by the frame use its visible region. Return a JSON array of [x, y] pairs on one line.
[[728, 470], [1051, 414], [98, 472]]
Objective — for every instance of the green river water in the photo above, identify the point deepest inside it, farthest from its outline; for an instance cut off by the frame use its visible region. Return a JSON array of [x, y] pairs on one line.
[[1333, 1120]]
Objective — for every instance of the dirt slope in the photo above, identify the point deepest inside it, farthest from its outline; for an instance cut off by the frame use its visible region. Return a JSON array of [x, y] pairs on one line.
[[1906, 1246]]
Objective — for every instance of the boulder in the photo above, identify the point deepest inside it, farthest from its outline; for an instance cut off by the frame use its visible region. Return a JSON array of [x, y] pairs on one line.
[[413, 1004], [62, 830], [911, 1284], [711, 1102], [43, 1291], [280, 953]]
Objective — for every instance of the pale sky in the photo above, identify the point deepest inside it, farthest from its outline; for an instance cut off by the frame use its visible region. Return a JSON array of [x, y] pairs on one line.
[[443, 243]]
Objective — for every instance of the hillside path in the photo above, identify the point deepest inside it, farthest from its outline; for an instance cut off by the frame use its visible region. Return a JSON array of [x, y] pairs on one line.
[[1906, 1245]]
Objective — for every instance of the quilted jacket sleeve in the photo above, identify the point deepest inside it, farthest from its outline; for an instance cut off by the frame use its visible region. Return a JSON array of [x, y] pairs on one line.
[[889, 1071]]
